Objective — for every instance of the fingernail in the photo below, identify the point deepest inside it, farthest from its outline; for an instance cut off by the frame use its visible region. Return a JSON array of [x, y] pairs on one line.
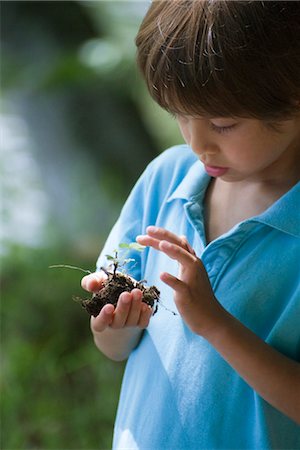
[[152, 229], [165, 244], [109, 308], [126, 298], [136, 294]]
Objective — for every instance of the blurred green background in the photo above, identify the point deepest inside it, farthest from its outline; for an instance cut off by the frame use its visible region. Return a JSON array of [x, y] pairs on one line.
[[77, 129]]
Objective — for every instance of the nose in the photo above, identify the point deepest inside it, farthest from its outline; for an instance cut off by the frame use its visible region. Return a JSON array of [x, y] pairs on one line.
[[202, 142], [197, 134], [203, 150], [205, 156]]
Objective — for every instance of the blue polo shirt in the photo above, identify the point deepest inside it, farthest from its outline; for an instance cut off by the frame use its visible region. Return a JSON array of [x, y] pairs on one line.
[[177, 391]]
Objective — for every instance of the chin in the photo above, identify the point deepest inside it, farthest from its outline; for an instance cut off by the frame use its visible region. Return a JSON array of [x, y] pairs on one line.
[[232, 178]]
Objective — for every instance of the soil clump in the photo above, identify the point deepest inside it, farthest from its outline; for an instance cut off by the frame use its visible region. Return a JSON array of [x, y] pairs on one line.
[[113, 286]]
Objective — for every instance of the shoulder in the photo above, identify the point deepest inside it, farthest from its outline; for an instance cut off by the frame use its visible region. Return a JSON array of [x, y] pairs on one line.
[[160, 180], [168, 170], [178, 158]]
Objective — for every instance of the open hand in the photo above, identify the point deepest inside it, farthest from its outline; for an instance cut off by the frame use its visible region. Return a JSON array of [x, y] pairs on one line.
[[194, 296]]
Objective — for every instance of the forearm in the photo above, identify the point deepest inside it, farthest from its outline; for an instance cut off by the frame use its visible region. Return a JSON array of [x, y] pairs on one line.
[[117, 344], [271, 374]]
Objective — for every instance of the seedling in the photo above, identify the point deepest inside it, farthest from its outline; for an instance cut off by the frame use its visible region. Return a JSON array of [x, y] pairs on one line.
[[116, 282], [117, 262]]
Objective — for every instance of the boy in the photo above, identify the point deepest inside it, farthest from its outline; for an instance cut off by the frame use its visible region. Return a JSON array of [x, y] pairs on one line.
[[224, 372]]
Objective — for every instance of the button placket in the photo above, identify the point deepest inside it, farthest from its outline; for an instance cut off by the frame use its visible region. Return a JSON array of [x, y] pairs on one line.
[[194, 213], [218, 254]]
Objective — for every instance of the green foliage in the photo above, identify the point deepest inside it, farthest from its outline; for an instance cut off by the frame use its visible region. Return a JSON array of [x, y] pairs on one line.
[[118, 261], [59, 392], [133, 246], [81, 129]]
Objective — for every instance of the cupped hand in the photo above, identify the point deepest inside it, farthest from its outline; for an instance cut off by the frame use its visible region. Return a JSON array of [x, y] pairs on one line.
[[194, 297], [130, 310]]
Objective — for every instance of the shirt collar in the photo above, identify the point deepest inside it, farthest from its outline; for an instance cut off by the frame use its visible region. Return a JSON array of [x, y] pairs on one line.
[[193, 185], [284, 214]]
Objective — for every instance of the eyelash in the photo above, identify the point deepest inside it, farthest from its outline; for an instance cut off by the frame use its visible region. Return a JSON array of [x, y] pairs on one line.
[[217, 129], [222, 130]]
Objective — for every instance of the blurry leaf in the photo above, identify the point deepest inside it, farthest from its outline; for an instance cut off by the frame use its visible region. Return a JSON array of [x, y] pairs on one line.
[[133, 246], [66, 71], [101, 54], [110, 258], [124, 245]]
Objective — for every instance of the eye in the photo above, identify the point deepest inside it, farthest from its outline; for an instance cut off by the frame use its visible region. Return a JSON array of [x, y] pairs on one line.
[[222, 129]]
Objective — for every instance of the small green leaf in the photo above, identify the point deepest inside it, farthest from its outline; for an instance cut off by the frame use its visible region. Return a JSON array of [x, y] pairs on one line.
[[134, 246], [124, 245], [110, 258]]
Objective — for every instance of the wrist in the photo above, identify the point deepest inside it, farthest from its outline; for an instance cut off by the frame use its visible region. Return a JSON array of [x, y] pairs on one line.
[[216, 324], [117, 344]]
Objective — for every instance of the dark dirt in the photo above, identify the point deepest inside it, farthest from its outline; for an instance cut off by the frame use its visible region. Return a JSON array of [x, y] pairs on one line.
[[115, 284]]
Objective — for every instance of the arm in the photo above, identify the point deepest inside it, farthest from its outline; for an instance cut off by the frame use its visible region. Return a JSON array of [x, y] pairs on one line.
[[271, 374], [117, 331]]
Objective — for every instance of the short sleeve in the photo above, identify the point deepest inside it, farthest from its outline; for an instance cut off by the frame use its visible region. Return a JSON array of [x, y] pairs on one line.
[[130, 223], [146, 203]]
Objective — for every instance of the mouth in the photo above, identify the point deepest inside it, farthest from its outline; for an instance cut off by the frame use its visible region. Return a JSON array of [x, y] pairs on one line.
[[215, 171]]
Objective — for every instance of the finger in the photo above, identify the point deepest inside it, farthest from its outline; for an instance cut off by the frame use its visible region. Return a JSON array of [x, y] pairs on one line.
[[145, 316], [156, 234], [173, 282], [164, 235], [178, 253], [135, 308], [152, 242], [185, 244], [168, 248], [103, 320], [93, 282], [148, 241], [122, 310]]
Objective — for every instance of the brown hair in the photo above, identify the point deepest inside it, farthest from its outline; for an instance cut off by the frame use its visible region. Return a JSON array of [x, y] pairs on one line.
[[222, 58]]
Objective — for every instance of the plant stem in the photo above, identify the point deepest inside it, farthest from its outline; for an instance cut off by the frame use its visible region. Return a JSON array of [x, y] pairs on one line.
[[66, 266]]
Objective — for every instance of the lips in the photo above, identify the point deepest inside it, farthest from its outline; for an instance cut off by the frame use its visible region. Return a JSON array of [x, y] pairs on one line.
[[215, 171]]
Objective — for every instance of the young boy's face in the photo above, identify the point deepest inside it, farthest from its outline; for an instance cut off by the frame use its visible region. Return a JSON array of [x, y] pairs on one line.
[[237, 149]]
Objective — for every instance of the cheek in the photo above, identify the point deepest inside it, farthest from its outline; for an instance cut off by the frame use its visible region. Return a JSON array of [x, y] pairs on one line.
[[253, 154], [184, 132], [238, 150], [249, 146]]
